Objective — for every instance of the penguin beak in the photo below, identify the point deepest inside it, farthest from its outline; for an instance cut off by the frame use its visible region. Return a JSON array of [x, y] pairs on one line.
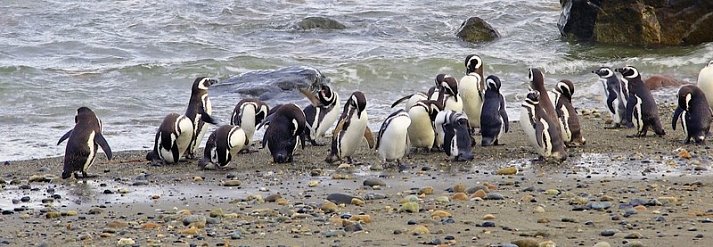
[[212, 82], [619, 70]]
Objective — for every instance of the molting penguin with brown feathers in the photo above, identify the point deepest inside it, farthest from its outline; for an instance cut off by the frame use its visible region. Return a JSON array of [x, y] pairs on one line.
[[199, 112], [567, 115], [555, 141], [541, 130], [82, 144], [641, 106], [694, 112], [321, 114]]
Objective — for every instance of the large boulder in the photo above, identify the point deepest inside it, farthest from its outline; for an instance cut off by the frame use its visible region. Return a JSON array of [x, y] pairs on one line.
[[475, 30], [318, 23], [638, 22], [279, 84]]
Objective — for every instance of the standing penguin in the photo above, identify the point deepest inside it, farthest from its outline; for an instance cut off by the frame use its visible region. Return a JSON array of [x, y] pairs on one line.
[[567, 115], [457, 142], [410, 99], [421, 131], [199, 112], [321, 114], [705, 82], [247, 114], [393, 141], [694, 112], [224, 144], [615, 95], [641, 107], [472, 89], [541, 130], [285, 127], [493, 118], [82, 144], [351, 128], [172, 139], [446, 92]]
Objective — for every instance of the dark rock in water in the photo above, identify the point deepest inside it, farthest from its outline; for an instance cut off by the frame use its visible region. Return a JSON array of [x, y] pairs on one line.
[[318, 22], [340, 198], [637, 22], [271, 84], [476, 30]]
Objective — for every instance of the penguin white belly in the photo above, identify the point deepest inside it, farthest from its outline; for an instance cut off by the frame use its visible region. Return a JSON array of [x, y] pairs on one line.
[[92, 152], [705, 83], [166, 154], [184, 137], [618, 113], [236, 141], [469, 89], [502, 127], [394, 141], [415, 98], [526, 125], [636, 115], [546, 148], [247, 122], [564, 125], [438, 127], [328, 121], [353, 135], [453, 105], [420, 131]]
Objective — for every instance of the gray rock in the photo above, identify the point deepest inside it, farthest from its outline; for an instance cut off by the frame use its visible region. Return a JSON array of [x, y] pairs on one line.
[[599, 205], [318, 23], [335, 233], [375, 196], [494, 196], [270, 84], [236, 235], [340, 198], [371, 182], [212, 220], [353, 227], [194, 219], [475, 29], [608, 232]]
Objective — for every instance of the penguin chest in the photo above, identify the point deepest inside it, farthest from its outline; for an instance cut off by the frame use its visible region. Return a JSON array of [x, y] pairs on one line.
[[705, 83], [528, 124], [545, 138], [420, 131], [247, 121], [166, 153], [326, 123], [394, 141], [454, 103], [637, 117], [92, 151], [183, 135], [352, 136], [472, 95]]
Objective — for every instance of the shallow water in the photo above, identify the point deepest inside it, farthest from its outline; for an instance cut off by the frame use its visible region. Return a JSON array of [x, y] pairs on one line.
[[132, 62]]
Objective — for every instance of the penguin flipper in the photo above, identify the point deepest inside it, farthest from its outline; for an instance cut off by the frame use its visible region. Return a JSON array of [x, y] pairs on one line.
[[629, 114], [209, 119], [398, 101], [539, 131], [65, 136], [312, 99], [504, 115], [610, 102], [99, 139], [676, 116], [369, 137]]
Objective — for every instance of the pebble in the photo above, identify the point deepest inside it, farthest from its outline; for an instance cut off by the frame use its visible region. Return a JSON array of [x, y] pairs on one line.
[[480, 193], [273, 197], [487, 224], [374, 196], [667, 200], [599, 205], [25, 199], [190, 231], [94, 211], [420, 230], [6, 212], [212, 221], [117, 224], [196, 220], [198, 179], [313, 183], [71, 213], [634, 244], [460, 196], [440, 214], [328, 207], [357, 202], [409, 198], [506, 171], [608, 232], [409, 207], [216, 212], [458, 188], [124, 242], [364, 218], [50, 214], [335, 233], [231, 183], [488, 217], [442, 200], [526, 243], [236, 235], [538, 209], [428, 190], [150, 225], [602, 244], [371, 182], [340, 198], [543, 220], [494, 196], [351, 226]]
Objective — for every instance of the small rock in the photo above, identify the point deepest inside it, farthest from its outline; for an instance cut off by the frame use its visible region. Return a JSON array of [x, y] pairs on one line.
[[538, 209], [71, 213], [440, 214], [543, 220], [357, 202], [364, 218], [420, 230], [273, 197], [552, 192], [460, 196], [190, 231], [488, 217], [668, 200], [117, 224], [150, 226], [428, 190], [459, 188], [371, 182], [488, 224], [195, 220], [409, 207], [340, 198], [350, 226], [52, 215], [633, 235], [282, 202], [216, 213], [442, 200], [506, 171], [236, 235], [335, 233], [125, 242], [409, 198], [198, 179], [231, 183], [684, 154], [526, 243], [608, 232], [480, 194], [328, 207], [494, 196], [94, 211], [602, 244], [313, 183], [475, 29]]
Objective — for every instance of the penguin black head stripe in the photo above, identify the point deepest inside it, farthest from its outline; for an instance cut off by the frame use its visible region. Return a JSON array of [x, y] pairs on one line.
[[604, 72], [493, 82], [356, 101], [202, 83], [473, 63], [533, 98], [448, 83], [566, 88], [536, 79], [629, 72]]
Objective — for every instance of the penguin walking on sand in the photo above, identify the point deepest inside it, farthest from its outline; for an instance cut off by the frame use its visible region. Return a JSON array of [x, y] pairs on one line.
[[393, 141], [615, 96], [537, 83], [224, 144], [567, 115], [541, 130], [694, 112], [82, 144], [247, 114], [457, 141], [321, 114], [493, 118], [351, 128], [472, 89], [172, 139], [285, 127], [421, 131], [705, 82], [199, 112], [641, 107]]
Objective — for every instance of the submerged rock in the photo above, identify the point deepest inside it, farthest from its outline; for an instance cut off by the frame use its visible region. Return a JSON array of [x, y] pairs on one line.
[[475, 29], [637, 22], [271, 84], [318, 23]]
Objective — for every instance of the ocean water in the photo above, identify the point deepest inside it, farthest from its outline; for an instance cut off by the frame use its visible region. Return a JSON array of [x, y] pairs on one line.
[[133, 62]]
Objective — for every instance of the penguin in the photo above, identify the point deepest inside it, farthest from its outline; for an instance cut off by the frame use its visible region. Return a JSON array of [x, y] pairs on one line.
[[223, 144], [82, 145], [457, 142], [285, 127], [446, 91], [493, 119], [537, 83], [411, 100], [567, 115], [247, 114], [199, 112], [614, 96], [542, 131], [705, 82], [641, 107], [694, 112], [321, 114], [421, 131], [172, 139], [472, 89], [351, 128], [393, 139]]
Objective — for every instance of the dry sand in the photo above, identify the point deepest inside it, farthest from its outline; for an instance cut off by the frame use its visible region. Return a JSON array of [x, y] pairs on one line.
[[596, 192]]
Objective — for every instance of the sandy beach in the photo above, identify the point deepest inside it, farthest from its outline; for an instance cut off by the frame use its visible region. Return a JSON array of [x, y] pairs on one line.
[[614, 191]]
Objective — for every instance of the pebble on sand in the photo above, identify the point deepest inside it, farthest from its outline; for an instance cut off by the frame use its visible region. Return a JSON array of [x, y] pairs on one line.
[[420, 230], [480, 194], [507, 171], [440, 214], [231, 183], [357, 202], [428, 190], [190, 231], [602, 244], [538, 209], [216, 212], [363, 218], [313, 183], [460, 196], [442, 200], [410, 207], [124, 242], [52, 215], [488, 217], [328, 207], [459, 188]]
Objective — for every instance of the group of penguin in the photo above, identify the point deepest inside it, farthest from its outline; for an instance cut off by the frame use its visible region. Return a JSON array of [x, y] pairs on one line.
[[442, 119]]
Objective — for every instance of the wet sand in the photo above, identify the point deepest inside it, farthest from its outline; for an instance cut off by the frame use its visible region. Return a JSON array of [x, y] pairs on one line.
[[645, 191]]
